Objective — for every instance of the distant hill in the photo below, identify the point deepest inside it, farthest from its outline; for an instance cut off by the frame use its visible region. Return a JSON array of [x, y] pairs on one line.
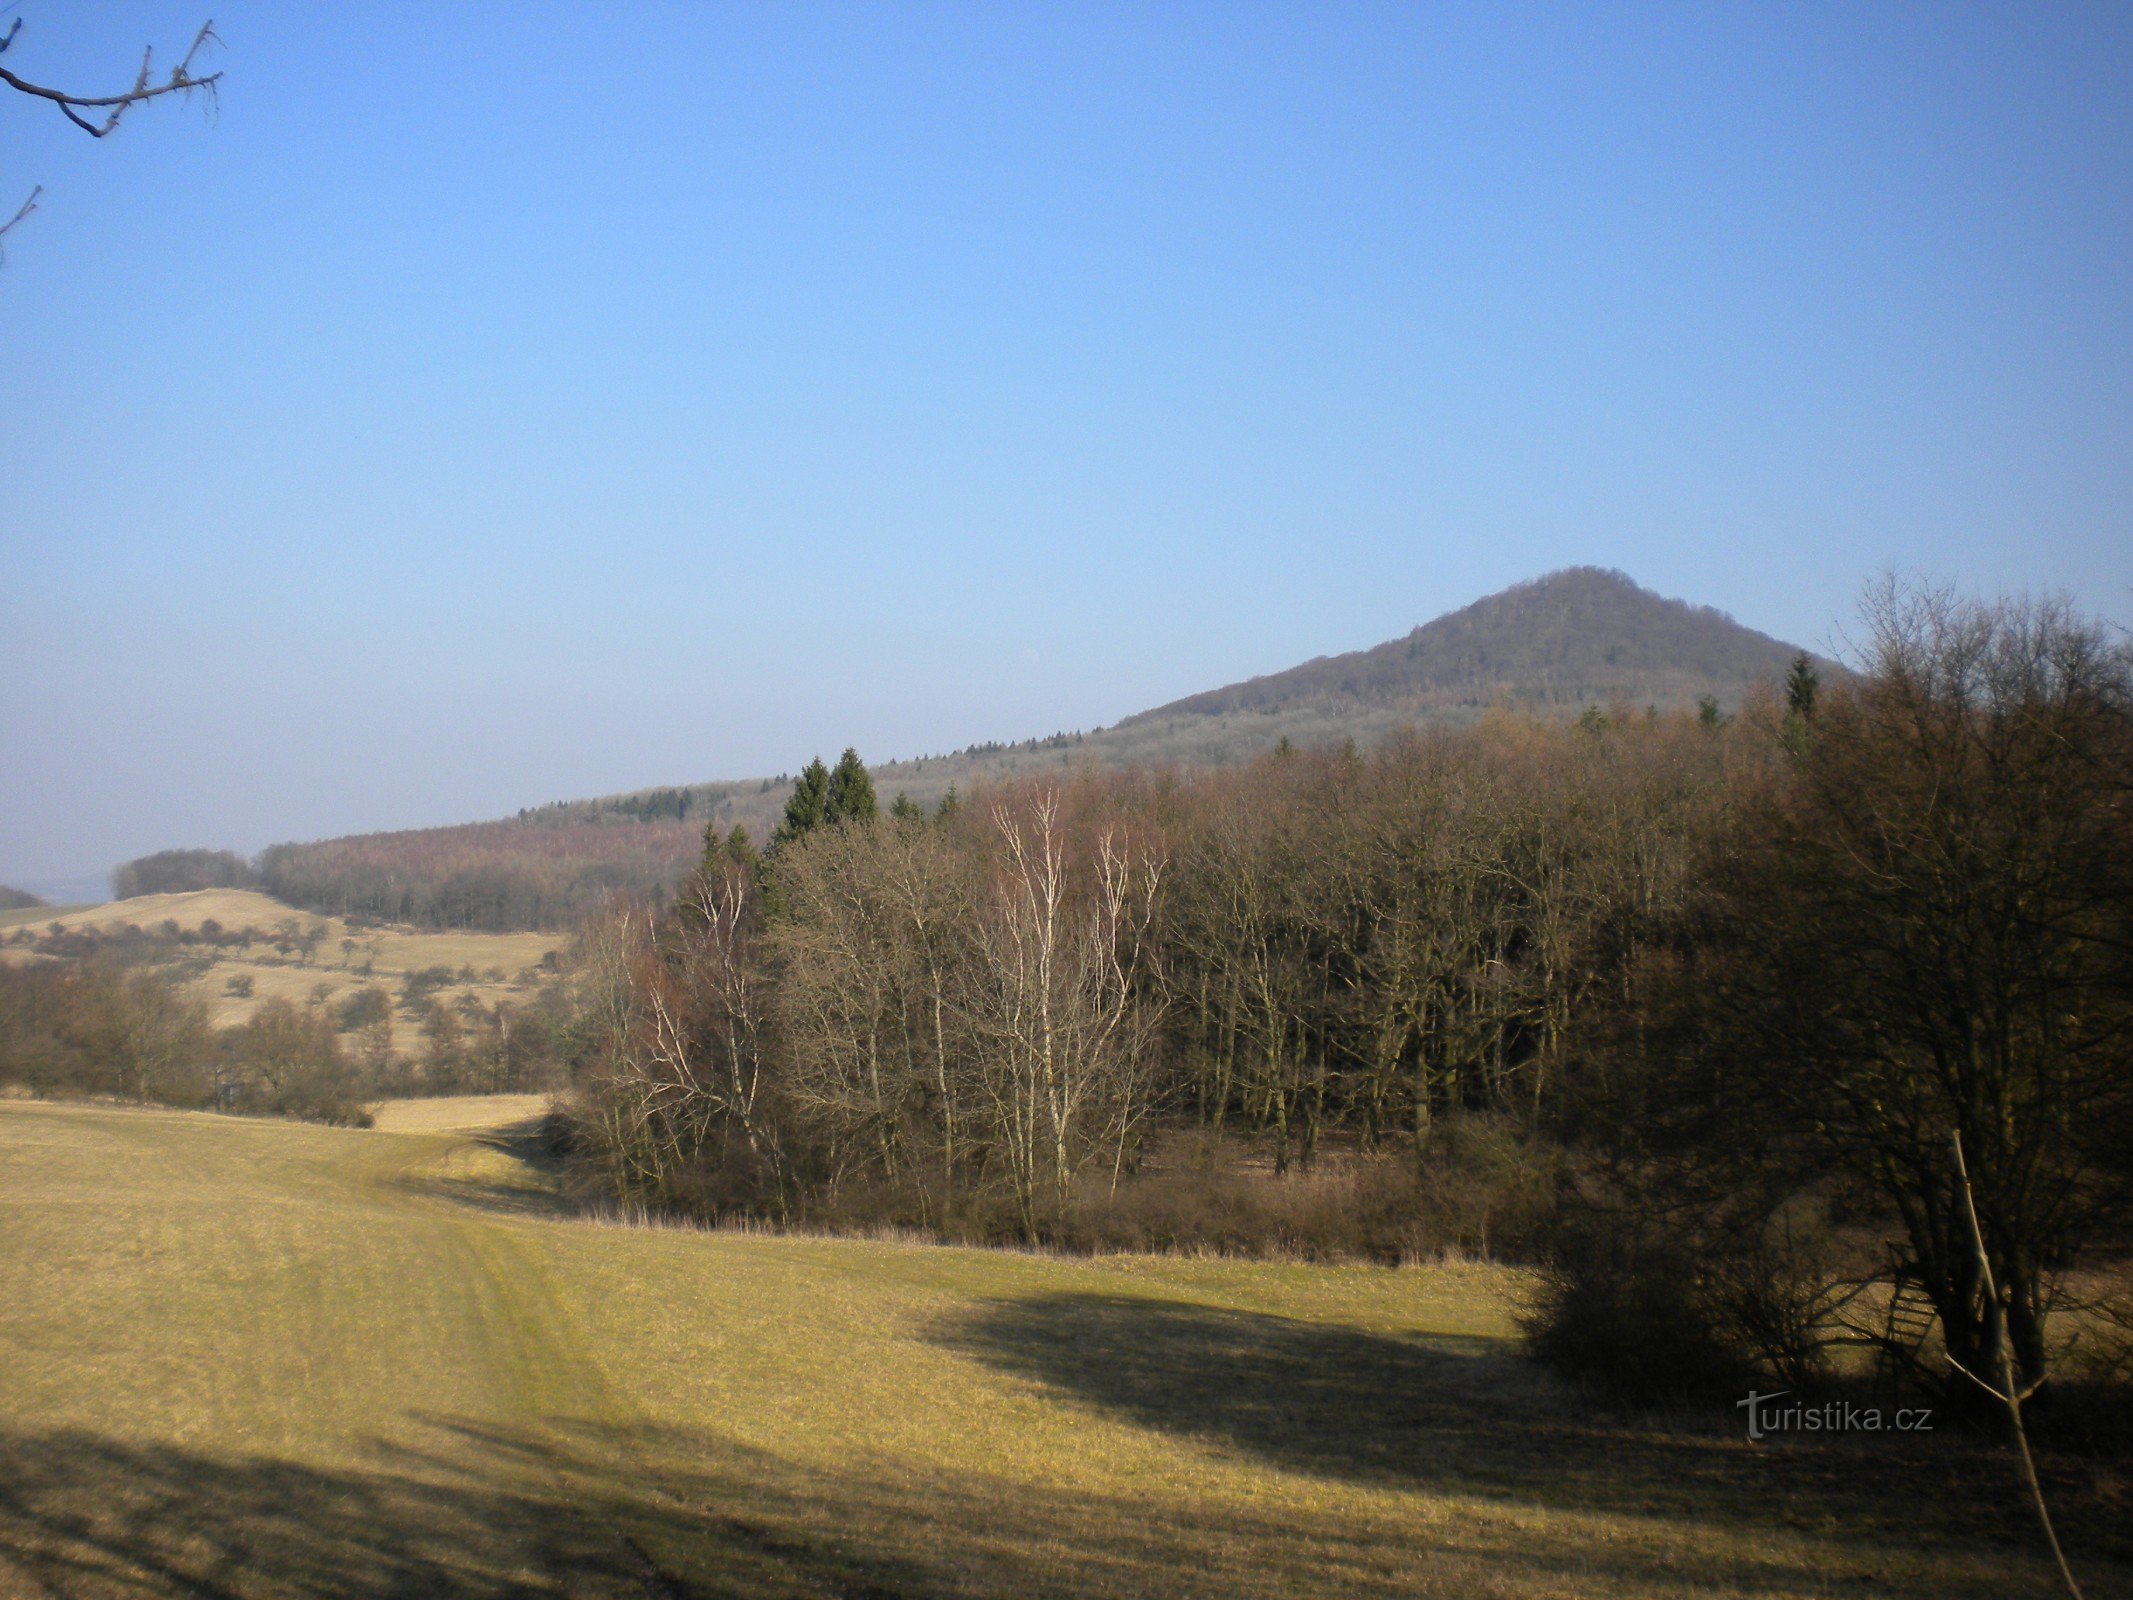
[[1580, 637]]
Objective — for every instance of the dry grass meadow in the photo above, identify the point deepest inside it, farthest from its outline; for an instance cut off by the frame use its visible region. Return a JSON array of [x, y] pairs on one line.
[[252, 1358]]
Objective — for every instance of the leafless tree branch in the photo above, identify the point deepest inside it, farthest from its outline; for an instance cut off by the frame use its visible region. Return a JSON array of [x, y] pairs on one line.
[[24, 210], [115, 106]]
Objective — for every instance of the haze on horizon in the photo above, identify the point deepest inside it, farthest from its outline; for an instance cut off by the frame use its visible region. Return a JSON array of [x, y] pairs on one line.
[[477, 413]]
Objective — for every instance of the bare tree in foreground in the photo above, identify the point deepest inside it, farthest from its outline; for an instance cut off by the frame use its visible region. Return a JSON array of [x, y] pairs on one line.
[[98, 115]]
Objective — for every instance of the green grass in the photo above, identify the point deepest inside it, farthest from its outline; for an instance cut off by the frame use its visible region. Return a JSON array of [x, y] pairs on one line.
[[249, 1358]]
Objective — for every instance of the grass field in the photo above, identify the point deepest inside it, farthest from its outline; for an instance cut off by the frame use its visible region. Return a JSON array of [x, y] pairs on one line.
[[258, 1358]]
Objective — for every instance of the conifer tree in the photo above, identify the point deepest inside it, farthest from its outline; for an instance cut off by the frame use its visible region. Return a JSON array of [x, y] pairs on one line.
[[1800, 686], [850, 796], [808, 807], [905, 809]]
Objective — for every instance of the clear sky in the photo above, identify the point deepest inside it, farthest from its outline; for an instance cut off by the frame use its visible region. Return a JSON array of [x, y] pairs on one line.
[[510, 403]]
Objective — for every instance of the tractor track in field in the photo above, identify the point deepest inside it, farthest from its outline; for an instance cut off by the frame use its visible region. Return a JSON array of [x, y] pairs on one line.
[[541, 1373]]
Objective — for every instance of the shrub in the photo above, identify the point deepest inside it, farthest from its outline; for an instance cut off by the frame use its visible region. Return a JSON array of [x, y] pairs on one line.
[[1626, 1307], [364, 1008], [417, 988], [1647, 1299]]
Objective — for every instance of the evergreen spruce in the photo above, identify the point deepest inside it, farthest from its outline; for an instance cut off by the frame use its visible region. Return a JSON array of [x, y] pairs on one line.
[[808, 806], [1800, 686], [851, 791]]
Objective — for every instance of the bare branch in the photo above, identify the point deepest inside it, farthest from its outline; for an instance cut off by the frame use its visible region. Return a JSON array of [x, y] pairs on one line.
[[2007, 1394], [26, 208], [181, 81]]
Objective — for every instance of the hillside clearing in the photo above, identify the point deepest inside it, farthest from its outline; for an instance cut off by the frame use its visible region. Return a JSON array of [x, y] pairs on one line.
[[317, 961], [257, 1358]]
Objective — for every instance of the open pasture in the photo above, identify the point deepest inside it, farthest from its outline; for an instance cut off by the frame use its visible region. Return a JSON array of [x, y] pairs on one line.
[[252, 1358]]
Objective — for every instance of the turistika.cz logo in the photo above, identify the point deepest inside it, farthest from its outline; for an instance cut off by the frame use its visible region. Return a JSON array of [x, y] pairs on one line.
[[1828, 1416]]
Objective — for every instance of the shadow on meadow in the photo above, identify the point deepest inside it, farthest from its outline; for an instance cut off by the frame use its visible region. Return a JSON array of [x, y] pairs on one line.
[[484, 1516], [597, 1513], [1470, 1416]]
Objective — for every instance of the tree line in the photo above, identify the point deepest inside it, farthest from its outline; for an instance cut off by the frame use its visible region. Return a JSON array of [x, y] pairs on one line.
[[496, 876], [181, 872]]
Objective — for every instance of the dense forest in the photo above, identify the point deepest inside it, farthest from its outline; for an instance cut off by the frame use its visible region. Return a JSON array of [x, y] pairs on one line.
[[1694, 1007], [521, 873]]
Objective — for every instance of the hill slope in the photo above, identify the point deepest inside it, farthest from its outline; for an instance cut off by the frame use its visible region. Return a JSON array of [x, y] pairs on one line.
[[1580, 637]]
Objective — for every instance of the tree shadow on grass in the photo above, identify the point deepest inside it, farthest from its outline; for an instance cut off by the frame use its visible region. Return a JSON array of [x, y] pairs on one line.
[[592, 1512], [518, 1516], [1475, 1417]]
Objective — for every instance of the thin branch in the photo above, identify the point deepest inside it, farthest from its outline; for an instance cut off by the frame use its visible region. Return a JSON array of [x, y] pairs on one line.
[[2007, 1394], [72, 106], [26, 208]]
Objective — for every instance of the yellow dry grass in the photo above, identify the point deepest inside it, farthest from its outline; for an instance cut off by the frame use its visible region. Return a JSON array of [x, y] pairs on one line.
[[233, 908], [246, 1358], [465, 1113]]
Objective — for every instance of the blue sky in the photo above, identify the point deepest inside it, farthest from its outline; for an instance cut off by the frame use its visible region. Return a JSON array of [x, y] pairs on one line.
[[500, 404]]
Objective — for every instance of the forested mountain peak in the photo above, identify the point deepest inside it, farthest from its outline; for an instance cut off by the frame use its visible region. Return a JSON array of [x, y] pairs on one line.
[[1580, 636]]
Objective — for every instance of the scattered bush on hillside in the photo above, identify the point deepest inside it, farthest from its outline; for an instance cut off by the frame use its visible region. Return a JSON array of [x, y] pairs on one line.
[[1630, 1309], [364, 1008], [417, 988]]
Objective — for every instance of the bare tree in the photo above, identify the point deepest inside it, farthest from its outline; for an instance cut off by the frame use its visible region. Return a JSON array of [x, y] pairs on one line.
[[99, 115], [1063, 951]]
